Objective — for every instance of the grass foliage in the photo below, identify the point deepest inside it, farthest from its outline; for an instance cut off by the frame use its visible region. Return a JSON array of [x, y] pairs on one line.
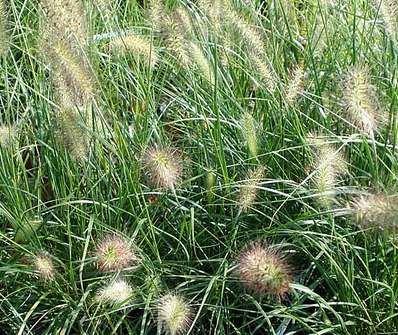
[[186, 132]]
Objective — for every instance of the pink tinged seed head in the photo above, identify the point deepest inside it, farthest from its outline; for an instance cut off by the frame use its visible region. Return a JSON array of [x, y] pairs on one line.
[[264, 271], [162, 167], [114, 253]]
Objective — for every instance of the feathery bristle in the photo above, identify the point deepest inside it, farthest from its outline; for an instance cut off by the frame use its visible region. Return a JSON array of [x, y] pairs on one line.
[[71, 75], [377, 211], [250, 131], [248, 191], [329, 165], [118, 292], [67, 19], [173, 314], [8, 135], [115, 252], [135, 45], [263, 71], [389, 13], [72, 134], [201, 61], [162, 167], [361, 101], [156, 14], [263, 270], [296, 85], [43, 266], [4, 37]]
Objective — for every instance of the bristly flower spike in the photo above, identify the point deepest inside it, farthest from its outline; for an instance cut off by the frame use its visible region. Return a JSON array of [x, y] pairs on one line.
[[250, 132], [264, 270], [162, 167], [43, 266], [115, 252], [376, 211], [117, 292], [248, 191], [173, 314], [360, 100]]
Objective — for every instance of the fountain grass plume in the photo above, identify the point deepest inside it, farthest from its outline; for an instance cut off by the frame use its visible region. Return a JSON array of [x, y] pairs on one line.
[[137, 46], [328, 166], [250, 132], [162, 167], [43, 266], [117, 292], [173, 314], [264, 270], [250, 187], [4, 34], [376, 211], [115, 252], [360, 100], [67, 19], [72, 133], [389, 13], [295, 85]]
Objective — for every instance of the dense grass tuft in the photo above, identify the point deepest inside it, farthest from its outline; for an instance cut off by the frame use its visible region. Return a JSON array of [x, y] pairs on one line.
[[198, 167]]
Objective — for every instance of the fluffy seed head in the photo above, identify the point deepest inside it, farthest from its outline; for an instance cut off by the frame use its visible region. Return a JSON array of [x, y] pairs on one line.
[[3, 30], [162, 167], [360, 100], [249, 189], [263, 270], [115, 252], [174, 314], [201, 61], [43, 266], [118, 292], [328, 165], [70, 71], [156, 14], [135, 45], [250, 130], [264, 72], [176, 42], [378, 211], [389, 13], [72, 134], [8, 135], [296, 84], [67, 20]]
